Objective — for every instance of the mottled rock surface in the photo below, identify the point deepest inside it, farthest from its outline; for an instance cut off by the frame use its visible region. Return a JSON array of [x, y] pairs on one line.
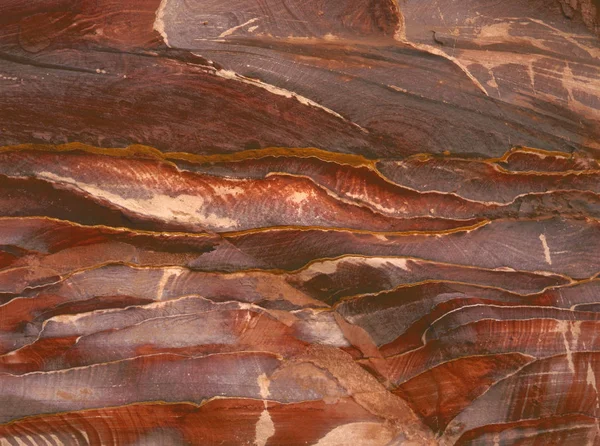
[[287, 222]]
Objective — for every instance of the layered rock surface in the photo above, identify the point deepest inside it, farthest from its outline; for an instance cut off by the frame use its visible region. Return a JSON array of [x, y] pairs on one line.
[[287, 222]]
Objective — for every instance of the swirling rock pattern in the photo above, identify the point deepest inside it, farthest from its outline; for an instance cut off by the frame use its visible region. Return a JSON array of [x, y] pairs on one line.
[[287, 222]]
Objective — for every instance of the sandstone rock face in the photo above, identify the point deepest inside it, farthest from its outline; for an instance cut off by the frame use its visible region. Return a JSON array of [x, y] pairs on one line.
[[287, 222]]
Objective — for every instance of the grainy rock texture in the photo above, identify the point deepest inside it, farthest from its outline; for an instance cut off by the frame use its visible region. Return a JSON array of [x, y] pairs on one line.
[[286, 222]]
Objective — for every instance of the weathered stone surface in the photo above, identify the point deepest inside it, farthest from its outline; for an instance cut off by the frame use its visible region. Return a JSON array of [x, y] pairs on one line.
[[284, 222]]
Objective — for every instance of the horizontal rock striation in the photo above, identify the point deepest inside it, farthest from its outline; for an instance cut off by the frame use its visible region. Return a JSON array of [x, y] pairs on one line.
[[286, 222]]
